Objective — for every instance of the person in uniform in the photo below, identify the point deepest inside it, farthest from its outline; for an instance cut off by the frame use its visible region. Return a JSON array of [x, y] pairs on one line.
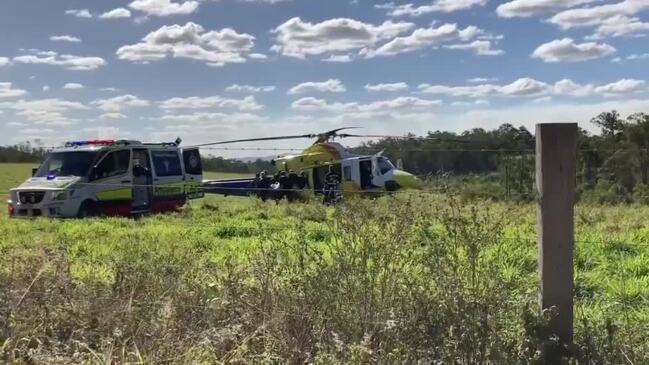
[[293, 186], [263, 187], [332, 183], [303, 181], [283, 186]]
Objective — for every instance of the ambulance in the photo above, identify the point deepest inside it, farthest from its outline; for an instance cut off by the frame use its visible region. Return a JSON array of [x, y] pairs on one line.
[[110, 177]]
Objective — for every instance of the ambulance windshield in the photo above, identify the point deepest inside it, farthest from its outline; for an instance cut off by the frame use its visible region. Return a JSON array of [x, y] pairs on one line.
[[76, 163]]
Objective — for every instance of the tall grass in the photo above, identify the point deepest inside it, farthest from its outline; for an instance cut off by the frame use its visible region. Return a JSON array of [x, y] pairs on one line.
[[405, 279]]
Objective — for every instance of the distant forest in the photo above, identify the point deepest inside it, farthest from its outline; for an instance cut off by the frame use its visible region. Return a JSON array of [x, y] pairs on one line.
[[614, 162]]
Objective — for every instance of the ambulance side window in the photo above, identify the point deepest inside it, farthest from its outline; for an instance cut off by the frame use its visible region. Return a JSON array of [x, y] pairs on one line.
[[114, 164], [166, 163]]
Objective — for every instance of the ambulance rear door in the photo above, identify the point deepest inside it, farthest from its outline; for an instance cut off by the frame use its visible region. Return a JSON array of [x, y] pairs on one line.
[[193, 169]]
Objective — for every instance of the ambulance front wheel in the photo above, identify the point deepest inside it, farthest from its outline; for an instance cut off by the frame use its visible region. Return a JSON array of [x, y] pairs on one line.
[[87, 209]]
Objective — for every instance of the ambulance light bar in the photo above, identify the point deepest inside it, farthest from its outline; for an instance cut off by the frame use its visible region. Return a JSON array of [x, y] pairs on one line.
[[100, 142]]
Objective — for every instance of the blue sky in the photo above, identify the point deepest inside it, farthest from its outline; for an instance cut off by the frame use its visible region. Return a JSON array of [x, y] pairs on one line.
[[219, 69]]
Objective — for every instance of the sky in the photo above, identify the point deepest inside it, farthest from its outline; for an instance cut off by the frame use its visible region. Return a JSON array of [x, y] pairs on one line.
[[212, 70]]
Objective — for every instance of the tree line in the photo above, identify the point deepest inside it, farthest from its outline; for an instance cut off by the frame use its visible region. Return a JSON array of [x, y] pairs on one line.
[[613, 164]]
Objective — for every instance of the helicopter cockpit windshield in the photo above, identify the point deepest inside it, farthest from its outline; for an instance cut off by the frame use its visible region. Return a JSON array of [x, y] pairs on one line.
[[384, 165]]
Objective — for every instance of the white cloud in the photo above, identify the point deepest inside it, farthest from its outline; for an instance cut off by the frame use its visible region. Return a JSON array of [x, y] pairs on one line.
[[596, 15], [112, 116], [46, 111], [299, 39], [257, 56], [635, 56], [434, 37], [621, 26], [622, 87], [566, 50], [343, 39], [65, 38], [164, 7], [339, 58], [331, 85], [477, 80], [569, 87], [69, 62], [249, 88], [119, 103], [474, 103], [524, 87], [310, 104], [36, 133], [4, 61], [557, 112], [482, 48], [191, 41], [266, 1], [118, 13], [45, 88], [79, 13], [202, 117], [473, 91], [397, 86], [7, 91], [543, 99], [73, 86], [246, 104], [436, 6], [528, 87], [528, 8]]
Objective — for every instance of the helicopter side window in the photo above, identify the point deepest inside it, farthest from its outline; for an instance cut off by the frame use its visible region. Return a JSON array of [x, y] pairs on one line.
[[385, 165], [347, 173]]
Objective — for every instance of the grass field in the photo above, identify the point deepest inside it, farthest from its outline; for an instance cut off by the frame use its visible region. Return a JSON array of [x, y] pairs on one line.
[[395, 280]]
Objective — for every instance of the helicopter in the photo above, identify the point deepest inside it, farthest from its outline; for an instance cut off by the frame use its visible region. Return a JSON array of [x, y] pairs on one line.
[[359, 173]]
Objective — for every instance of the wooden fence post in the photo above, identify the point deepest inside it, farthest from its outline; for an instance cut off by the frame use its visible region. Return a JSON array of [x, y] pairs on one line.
[[556, 157]]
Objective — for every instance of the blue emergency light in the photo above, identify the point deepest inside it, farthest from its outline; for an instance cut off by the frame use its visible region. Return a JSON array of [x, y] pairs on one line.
[[102, 142]]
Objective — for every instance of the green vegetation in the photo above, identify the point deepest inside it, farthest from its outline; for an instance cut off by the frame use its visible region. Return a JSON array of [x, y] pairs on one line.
[[613, 166], [395, 280]]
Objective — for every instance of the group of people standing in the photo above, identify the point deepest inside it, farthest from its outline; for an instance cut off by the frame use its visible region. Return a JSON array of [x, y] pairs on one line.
[[282, 184], [290, 184]]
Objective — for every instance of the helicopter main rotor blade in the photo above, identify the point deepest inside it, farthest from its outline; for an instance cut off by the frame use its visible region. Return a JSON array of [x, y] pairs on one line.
[[278, 138], [346, 135], [319, 136]]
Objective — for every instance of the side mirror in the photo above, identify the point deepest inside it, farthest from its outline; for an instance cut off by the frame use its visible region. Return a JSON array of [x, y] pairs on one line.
[[93, 174], [34, 170]]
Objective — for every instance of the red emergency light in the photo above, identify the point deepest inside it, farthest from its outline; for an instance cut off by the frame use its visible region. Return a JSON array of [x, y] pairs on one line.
[[102, 141], [93, 142]]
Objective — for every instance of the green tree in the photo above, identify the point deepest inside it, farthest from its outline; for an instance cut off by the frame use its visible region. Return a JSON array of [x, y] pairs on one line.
[[636, 130]]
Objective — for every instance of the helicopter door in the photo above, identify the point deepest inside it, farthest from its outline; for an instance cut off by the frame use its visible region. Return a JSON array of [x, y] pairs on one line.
[[365, 167], [377, 178], [193, 169]]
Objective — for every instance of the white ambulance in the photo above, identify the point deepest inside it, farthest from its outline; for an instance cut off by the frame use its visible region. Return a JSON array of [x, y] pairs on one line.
[[109, 177]]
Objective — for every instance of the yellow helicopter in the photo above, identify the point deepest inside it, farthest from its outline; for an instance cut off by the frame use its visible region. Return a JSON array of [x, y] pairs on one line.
[[359, 173]]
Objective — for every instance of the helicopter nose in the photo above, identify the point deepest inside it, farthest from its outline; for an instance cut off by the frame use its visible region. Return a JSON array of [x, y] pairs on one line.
[[406, 180]]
